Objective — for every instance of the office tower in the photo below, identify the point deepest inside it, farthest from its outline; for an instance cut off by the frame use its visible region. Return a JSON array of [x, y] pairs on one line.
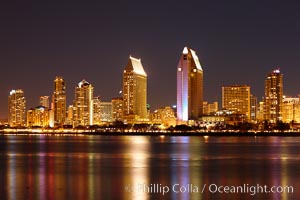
[[291, 110], [106, 112], [260, 113], [16, 108], [97, 110], [253, 107], [83, 104], [117, 109], [135, 89], [59, 101], [44, 101], [237, 99], [69, 120], [189, 87], [273, 96], [38, 116]]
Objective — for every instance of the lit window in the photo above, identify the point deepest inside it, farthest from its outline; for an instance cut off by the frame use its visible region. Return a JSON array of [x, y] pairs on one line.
[[179, 69]]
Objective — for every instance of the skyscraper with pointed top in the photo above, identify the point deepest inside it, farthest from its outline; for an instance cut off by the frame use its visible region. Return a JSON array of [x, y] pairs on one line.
[[189, 87], [135, 89]]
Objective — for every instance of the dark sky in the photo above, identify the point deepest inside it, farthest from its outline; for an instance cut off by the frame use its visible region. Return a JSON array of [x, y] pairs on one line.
[[236, 42]]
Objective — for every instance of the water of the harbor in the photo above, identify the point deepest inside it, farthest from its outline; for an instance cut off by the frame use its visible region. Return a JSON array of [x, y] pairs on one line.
[[148, 167]]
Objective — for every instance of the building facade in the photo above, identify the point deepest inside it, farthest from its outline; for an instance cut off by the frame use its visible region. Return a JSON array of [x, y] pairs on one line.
[[164, 116], [253, 108], [117, 109], [97, 110], [273, 96], [291, 110], [189, 87], [106, 112], [44, 101], [83, 104], [135, 90], [210, 108], [236, 98], [59, 101], [16, 108], [38, 116]]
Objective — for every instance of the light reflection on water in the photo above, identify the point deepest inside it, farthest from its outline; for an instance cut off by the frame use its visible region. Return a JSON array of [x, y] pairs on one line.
[[129, 167]]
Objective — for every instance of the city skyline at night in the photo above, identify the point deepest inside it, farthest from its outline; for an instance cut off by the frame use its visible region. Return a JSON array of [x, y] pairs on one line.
[[151, 99], [59, 94], [237, 42]]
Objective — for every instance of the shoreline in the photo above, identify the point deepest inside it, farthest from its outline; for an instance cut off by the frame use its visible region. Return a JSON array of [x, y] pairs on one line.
[[159, 133]]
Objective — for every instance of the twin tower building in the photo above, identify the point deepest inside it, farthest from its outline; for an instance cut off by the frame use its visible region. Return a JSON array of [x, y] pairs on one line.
[[189, 88], [134, 100], [131, 108]]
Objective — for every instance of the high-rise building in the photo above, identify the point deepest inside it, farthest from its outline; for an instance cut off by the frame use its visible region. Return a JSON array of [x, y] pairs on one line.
[[16, 108], [236, 98], [106, 112], [117, 109], [273, 96], [97, 110], [189, 87], [83, 104], [291, 110], [44, 101], [260, 111], [59, 101], [135, 89], [69, 120], [253, 108], [38, 116]]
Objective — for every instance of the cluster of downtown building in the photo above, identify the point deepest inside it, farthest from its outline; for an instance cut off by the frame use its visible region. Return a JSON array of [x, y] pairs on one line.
[[238, 104]]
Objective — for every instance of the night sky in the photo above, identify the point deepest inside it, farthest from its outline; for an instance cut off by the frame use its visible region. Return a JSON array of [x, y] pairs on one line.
[[236, 42]]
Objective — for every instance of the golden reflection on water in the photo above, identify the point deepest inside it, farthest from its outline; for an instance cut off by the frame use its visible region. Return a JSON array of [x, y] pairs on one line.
[[137, 151], [103, 167]]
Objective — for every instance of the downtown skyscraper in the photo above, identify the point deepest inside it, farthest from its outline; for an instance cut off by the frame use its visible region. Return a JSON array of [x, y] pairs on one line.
[[189, 87], [274, 96], [236, 98], [16, 108], [59, 101], [135, 90], [83, 113]]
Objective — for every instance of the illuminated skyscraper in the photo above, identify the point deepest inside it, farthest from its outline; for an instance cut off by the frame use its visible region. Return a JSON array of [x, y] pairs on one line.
[[189, 87], [59, 101], [38, 116], [274, 96], [117, 109], [106, 112], [291, 109], [44, 101], [237, 99], [135, 89], [253, 107], [97, 110], [83, 104], [16, 108]]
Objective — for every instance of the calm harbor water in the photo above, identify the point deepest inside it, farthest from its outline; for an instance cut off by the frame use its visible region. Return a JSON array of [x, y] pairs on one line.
[[148, 167]]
